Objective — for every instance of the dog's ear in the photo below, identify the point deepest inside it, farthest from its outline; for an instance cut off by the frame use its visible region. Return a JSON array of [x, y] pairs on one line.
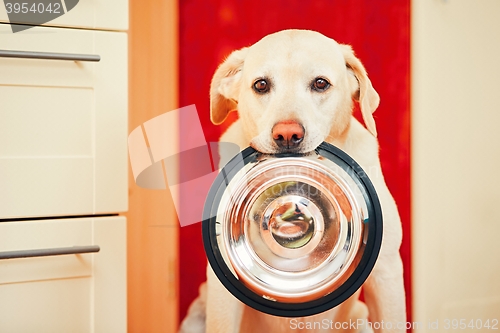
[[364, 92], [225, 86]]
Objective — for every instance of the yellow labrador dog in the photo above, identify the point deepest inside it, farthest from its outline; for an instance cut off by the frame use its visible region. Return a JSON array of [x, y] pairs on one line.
[[294, 89]]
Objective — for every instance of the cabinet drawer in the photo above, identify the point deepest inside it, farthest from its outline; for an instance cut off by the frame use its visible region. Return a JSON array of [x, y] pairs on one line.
[[89, 14], [63, 124], [66, 293]]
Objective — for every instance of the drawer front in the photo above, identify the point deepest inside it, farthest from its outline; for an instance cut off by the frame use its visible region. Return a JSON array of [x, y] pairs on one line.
[[88, 14], [32, 235], [63, 124], [66, 293], [48, 306]]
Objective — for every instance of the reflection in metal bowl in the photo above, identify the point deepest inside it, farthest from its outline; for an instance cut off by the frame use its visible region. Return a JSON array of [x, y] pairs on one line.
[[292, 235]]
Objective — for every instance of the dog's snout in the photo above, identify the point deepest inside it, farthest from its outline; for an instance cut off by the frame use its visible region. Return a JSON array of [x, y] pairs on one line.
[[288, 134]]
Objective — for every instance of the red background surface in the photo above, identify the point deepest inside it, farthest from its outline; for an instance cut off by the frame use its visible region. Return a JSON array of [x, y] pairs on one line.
[[378, 30]]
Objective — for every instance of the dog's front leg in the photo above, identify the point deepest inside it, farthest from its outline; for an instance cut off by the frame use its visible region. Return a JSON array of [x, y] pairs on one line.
[[384, 288], [385, 296], [224, 311]]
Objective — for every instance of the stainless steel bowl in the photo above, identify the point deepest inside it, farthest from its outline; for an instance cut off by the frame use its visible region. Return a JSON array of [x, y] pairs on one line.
[[292, 235]]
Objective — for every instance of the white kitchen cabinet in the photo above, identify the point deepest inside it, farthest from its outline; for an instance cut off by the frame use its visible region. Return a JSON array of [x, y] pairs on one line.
[[63, 124], [64, 293], [88, 14], [63, 171]]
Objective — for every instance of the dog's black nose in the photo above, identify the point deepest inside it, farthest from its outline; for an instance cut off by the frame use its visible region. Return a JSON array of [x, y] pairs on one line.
[[288, 134]]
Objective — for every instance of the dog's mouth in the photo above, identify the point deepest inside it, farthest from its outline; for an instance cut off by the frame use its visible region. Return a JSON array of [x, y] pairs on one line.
[[279, 151], [266, 144]]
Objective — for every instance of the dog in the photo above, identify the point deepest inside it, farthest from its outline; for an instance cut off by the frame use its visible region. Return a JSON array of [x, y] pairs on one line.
[[293, 90]]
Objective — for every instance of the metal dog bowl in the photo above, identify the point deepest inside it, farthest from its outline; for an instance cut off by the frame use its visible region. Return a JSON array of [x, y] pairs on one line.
[[292, 235]]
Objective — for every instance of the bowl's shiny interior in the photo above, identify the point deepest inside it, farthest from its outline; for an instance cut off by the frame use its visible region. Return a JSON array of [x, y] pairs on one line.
[[291, 228]]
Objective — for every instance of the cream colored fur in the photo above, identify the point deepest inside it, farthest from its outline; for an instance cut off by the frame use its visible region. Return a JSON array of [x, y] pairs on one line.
[[291, 60]]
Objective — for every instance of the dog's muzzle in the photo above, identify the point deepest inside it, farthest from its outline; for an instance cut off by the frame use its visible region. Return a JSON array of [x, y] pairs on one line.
[[292, 235]]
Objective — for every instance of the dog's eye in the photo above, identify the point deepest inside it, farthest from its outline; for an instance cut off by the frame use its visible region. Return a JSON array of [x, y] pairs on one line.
[[320, 84], [261, 86]]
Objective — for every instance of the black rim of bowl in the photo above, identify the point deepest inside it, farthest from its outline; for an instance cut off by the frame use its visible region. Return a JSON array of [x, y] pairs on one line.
[[347, 289]]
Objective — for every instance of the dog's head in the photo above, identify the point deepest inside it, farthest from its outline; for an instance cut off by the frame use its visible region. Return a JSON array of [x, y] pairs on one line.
[[292, 90]]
